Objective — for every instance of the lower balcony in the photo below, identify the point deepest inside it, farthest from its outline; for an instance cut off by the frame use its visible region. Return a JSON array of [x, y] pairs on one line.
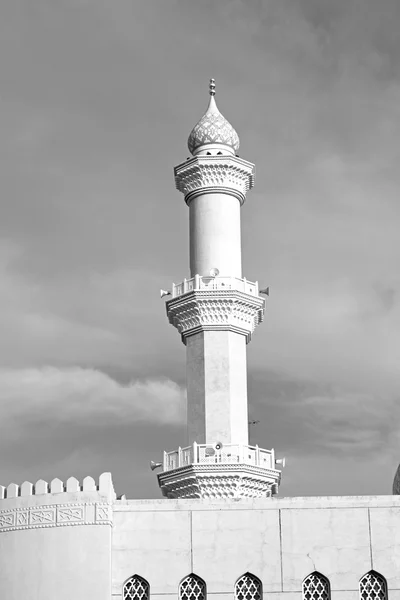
[[216, 471], [203, 454]]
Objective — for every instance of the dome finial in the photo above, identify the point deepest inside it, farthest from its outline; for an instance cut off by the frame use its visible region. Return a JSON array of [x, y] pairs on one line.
[[212, 87]]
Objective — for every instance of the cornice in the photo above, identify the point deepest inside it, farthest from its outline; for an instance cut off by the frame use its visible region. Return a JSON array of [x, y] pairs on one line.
[[219, 481], [213, 310], [214, 174]]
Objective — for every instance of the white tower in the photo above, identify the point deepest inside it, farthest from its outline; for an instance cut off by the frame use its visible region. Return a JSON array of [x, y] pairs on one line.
[[216, 311]]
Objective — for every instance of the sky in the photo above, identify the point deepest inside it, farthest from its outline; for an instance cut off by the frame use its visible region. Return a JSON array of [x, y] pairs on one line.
[[97, 99]]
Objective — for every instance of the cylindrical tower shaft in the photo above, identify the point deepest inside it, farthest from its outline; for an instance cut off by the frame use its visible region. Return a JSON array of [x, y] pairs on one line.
[[215, 235]]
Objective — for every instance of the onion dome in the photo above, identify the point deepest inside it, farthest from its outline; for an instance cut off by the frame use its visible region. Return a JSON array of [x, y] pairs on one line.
[[213, 128]]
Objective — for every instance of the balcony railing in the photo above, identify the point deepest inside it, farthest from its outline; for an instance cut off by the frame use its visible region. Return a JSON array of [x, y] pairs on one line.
[[204, 283], [228, 454]]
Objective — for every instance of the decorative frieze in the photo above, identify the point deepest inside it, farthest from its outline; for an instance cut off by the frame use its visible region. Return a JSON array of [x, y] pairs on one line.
[[227, 310], [214, 174], [55, 515]]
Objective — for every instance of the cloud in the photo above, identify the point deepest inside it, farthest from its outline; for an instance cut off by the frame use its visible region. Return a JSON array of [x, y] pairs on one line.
[[349, 423], [62, 396], [92, 227]]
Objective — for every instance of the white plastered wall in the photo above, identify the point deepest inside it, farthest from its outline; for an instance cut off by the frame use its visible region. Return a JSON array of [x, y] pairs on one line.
[[281, 541]]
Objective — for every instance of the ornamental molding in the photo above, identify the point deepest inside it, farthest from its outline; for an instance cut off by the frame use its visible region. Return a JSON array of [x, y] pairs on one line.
[[219, 481], [55, 515], [213, 310], [215, 174]]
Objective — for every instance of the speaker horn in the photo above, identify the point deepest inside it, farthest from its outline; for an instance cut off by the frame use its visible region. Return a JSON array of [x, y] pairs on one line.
[[281, 461], [164, 293], [218, 446], [155, 465], [265, 291], [209, 451]]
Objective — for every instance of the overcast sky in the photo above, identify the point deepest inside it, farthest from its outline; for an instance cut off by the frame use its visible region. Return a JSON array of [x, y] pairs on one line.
[[97, 100]]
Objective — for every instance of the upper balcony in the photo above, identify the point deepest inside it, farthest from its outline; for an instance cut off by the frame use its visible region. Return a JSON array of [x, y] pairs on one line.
[[228, 454], [208, 282]]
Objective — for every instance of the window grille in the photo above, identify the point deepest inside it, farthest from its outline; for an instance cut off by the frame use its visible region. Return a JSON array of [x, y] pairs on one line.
[[316, 587], [248, 587], [136, 588], [192, 588], [373, 587]]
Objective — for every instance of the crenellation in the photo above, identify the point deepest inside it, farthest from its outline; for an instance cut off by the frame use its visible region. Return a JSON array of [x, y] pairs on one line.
[[106, 485], [12, 490], [56, 486], [89, 484], [41, 487], [27, 488], [73, 485]]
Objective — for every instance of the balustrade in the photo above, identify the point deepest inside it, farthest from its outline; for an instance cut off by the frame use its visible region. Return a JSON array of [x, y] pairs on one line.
[[228, 454], [204, 283]]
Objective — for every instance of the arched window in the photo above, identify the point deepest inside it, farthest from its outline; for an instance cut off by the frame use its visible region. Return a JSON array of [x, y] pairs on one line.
[[248, 587], [316, 587], [136, 588], [192, 588], [373, 586]]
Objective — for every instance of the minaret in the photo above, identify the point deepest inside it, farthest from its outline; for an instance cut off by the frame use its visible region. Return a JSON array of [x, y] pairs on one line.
[[216, 311]]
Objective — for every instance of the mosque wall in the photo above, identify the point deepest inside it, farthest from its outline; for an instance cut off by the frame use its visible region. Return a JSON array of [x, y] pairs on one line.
[[81, 543], [280, 541], [55, 540]]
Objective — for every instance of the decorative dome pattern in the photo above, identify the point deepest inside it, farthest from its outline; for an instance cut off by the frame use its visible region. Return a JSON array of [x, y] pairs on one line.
[[213, 128]]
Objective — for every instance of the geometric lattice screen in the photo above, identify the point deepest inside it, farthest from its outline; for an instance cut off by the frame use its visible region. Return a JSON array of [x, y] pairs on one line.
[[316, 587], [136, 588], [192, 588], [248, 587], [373, 587]]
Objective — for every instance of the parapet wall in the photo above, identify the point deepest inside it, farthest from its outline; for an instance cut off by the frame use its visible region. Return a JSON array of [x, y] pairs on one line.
[[56, 486], [57, 503]]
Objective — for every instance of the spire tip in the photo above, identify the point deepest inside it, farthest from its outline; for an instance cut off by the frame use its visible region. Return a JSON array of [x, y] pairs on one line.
[[212, 87]]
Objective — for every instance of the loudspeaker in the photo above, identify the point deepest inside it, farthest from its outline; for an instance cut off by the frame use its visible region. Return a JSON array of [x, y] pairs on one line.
[[154, 465], [209, 451]]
